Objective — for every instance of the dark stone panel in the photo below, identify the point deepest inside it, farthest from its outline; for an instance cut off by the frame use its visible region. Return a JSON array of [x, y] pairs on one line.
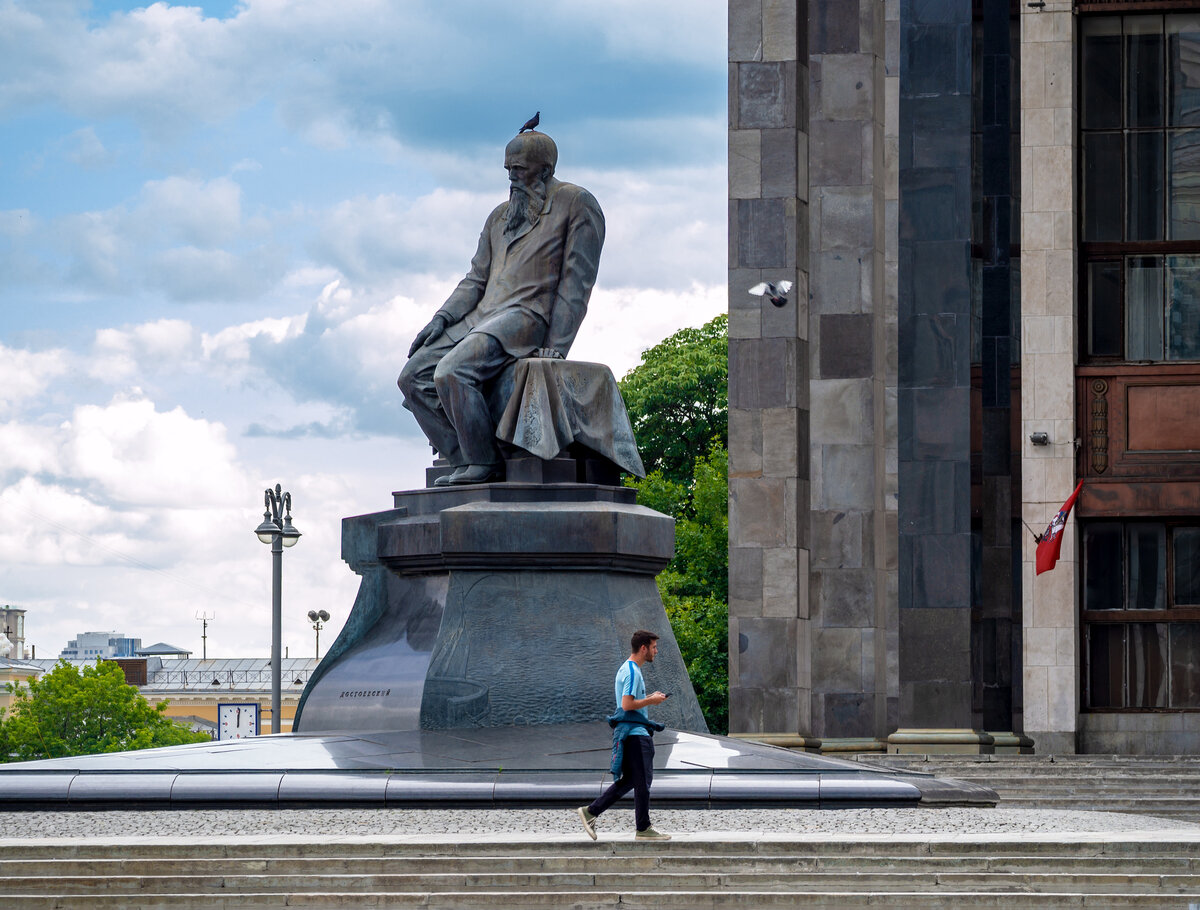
[[833, 27], [745, 573], [764, 229], [778, 156], [942, 277], [929, 59], [781, 710], [904, 570], [835, 153], [803, 435], [941, 571], [777, 374], [941, 131], [847, 219], [935, 645], [847, 346], [938, 12], [932, 496], [997, 301], [745, 709], [934, 424], [931, 207], [933, 705], [997, 588], [933, 349], [997, 446], [846, 598], [767, 95], [849, 715], [767, 652], [743, 372]]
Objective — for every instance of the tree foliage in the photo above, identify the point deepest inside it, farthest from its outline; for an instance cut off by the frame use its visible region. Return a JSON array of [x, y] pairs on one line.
[[84, 712], [678, 398], [678, 403]]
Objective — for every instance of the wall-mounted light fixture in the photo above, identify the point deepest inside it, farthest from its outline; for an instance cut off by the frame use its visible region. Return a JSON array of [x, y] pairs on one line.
[[1040, 439]]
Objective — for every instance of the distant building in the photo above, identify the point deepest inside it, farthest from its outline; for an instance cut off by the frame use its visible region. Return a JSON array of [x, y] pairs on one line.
[[94, 645], [12, 626]]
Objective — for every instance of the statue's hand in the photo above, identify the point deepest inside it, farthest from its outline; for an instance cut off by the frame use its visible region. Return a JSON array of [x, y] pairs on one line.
[[549, 354], [436, 326]]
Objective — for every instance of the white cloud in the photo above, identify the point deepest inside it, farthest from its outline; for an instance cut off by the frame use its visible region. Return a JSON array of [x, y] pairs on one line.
[[122, 354], [25, 374], [136, 454], [200, 213]]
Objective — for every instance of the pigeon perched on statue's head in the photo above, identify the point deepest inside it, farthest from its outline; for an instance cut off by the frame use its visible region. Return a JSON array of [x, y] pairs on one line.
[[531, 123], [776, 291]]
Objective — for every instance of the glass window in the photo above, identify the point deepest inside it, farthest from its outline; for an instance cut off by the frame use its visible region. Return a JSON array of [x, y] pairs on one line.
[[1183, 73], [1140, 185], [1103, 566], [1147, 567], [1185, 663], [1102, 72], [1144, 280], [1144, 71], [1135, 659], [1106, 665], [1183, 308], [1147, 665], [1186, 545], [1184, 169], [1104, 309], [1102, 182], [1145, 186]]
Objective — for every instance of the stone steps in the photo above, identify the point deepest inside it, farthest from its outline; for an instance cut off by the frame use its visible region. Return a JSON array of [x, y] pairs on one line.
[[681, 874], [1166, 786]]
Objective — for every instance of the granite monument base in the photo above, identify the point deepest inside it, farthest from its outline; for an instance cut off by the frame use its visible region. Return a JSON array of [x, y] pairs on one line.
[[498, 605]]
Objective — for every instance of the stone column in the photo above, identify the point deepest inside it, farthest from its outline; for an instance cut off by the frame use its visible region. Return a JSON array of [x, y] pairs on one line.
[[769, 678], [1048, 280], [851, 354], [937, 708]]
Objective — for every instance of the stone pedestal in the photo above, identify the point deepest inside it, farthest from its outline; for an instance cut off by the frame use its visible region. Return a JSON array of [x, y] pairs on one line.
[[941, 741], [496, 605]]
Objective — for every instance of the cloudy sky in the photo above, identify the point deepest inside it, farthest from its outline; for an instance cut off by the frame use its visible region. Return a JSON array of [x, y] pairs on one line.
[[222, 223]]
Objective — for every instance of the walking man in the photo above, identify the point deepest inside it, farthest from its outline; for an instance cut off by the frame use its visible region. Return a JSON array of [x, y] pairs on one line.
[[633, 743]]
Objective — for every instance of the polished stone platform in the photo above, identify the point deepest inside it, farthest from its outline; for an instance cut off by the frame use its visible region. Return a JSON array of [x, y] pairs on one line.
[[561, 765]]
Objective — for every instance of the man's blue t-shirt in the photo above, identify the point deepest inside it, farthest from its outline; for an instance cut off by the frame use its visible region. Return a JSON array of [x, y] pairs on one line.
[[630, 682]]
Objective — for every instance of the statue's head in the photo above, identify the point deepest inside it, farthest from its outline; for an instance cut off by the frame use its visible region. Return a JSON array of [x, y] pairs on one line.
[[532, 155]]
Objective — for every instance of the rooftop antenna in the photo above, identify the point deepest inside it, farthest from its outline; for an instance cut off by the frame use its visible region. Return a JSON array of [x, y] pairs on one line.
[[204, 619]]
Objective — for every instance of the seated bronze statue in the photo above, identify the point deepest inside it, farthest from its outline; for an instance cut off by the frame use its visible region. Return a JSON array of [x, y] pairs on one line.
[[525, 296]]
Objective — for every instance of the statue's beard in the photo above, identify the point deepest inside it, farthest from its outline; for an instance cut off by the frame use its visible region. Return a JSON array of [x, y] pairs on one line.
[[523, 202]]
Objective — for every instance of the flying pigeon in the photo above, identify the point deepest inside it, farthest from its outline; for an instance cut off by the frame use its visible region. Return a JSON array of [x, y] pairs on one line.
[[531, 123], [776, 291]]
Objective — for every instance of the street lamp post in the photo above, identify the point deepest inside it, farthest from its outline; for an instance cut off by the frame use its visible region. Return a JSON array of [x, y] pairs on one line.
[[279, 533], [318, 618]]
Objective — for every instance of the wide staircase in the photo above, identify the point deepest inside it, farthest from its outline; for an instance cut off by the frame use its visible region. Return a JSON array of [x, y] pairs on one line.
[[1167, 786], [691, 874]]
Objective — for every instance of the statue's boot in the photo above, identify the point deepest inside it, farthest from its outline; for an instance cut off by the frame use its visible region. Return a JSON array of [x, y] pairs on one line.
[[474, 473]]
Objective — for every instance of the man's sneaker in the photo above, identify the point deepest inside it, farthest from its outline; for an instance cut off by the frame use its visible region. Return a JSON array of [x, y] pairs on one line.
[[589, 821], [651, 834]]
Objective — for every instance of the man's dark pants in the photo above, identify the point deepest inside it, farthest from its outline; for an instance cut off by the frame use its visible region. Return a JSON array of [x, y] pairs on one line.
[[637, 772]]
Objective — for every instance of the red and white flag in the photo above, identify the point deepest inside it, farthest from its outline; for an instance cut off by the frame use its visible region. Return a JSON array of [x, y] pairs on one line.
[[1050, 542]]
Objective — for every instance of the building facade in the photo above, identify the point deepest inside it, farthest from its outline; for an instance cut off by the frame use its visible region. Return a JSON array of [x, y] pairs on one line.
[[95, 645], [990, 215]]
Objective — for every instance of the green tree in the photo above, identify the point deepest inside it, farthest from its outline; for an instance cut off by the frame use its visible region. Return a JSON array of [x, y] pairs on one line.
[[73, 712], [678, 403], [678, 398]]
